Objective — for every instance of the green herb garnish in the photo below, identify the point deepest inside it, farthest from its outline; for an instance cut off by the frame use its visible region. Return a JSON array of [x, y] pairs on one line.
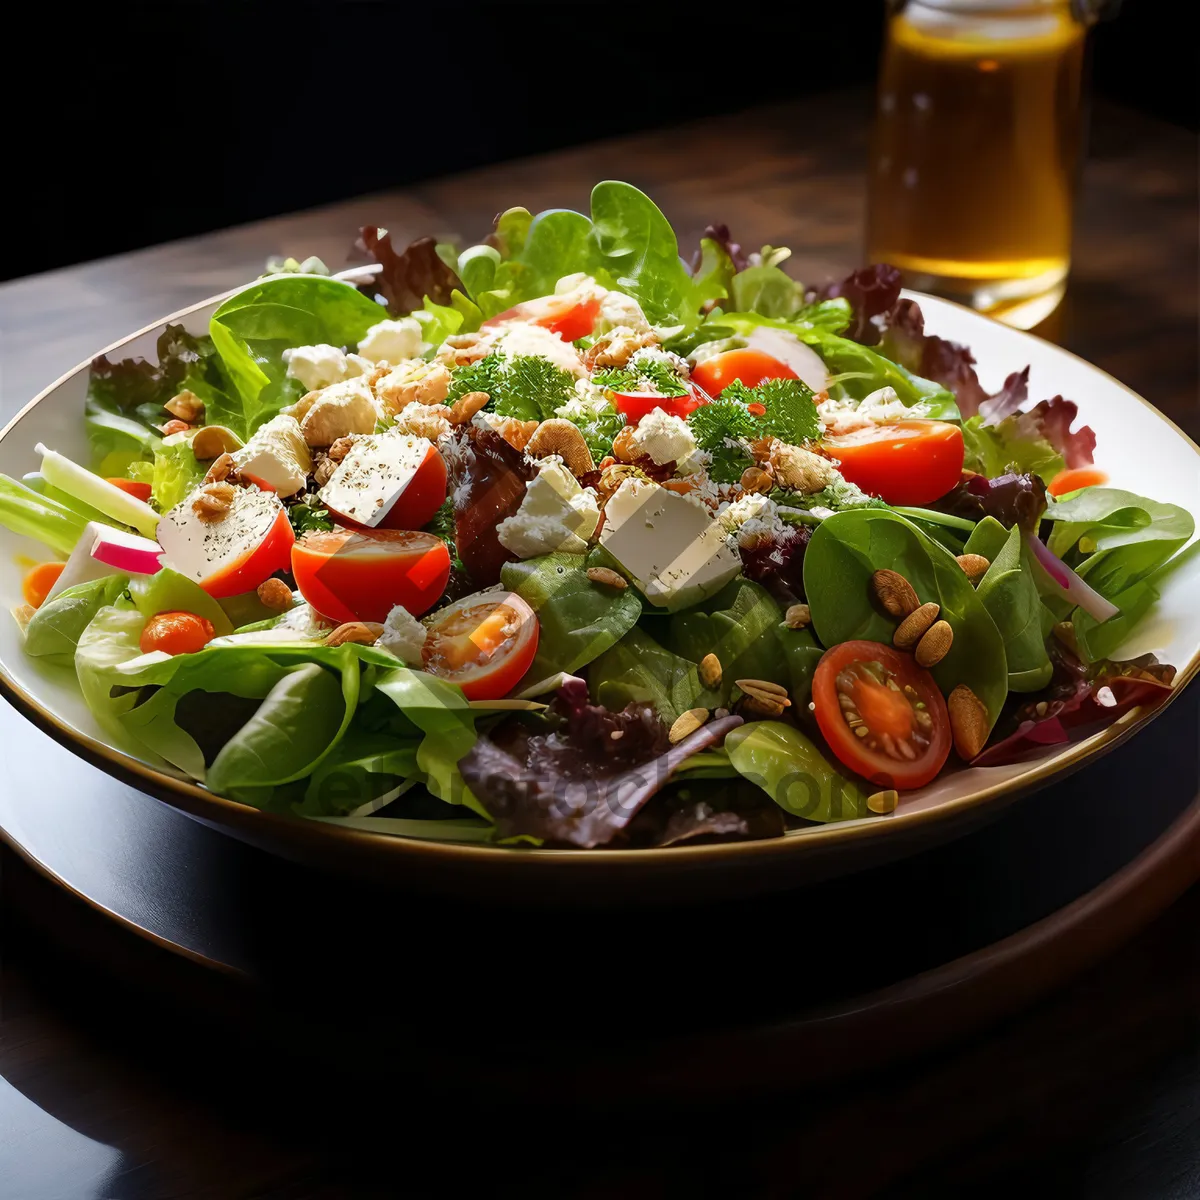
[[791, 414], [645, 375], [527, 387], [309, 516]]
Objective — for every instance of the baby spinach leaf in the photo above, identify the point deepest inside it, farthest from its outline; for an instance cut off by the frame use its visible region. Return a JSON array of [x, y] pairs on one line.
[[783, 762], [737, 625], [987, 538], [1115, 538], [849, 547], [637, 247], [1102, 639], [767, 290], [1011, 598], [362, 767], [300, 721], [801, 654], [638, 668], [579, 619]]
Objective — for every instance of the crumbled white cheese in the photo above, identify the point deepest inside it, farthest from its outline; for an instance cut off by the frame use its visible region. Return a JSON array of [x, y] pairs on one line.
[[521, 339], [392, 341], [696, 463], [555, 515], [589, 401], [617, 310], [356, 365], [753, 506], [277, 455], [316, 366], [665, 438], [403, 635], [303, 620], [841, 417]]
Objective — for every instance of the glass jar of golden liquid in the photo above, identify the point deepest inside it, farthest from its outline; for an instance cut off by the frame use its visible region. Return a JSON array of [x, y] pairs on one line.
[[976, 148]]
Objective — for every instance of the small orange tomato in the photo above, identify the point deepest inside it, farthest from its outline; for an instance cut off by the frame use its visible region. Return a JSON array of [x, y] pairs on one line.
[[176, 633], [175, 426], [140, 491], [39, 580], [1074, 478]]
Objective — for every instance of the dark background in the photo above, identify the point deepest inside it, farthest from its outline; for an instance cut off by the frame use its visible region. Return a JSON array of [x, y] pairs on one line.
[[132, 124]]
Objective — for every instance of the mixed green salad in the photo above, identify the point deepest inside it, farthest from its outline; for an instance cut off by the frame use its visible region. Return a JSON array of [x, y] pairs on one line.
[[564, 539]]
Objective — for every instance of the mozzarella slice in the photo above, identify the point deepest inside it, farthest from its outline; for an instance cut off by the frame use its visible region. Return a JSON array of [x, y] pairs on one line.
[[201, 550], [373, 476], [675, 552]]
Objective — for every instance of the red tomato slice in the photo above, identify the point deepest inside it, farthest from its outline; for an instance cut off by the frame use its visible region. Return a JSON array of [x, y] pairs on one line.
[[1075, 478], [362, 574], [139, 490], [866, 685], [567, 315], [484, 643], [904, 462], [750, 366], [271, 555], [635, 405]]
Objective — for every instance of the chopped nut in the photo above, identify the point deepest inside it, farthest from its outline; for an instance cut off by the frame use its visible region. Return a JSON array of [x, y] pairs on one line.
[[413, 382], [686, 724], [763, 696], [459, 349], [465, 407], [617, 348], [187, 406], [968, 721], [757, 480], [883, 802], [213, 502], [275, 594], [935, 644], [799, 469], [760, 449], [710, 671], [798, 616], [211, 441], [914, 627], [607, 577], [340, 449], [363, 633], [338, 411], [430, 421], [615, 474], [975, 565], [562, 437], [515, 433], [624, 447], [221, 469], [895, 593], [323, 469]]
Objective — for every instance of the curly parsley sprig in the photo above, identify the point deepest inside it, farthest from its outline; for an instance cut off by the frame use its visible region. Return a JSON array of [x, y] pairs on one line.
[[526, 387]]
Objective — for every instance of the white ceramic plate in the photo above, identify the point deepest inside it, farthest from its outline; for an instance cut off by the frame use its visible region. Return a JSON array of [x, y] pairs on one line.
[[1139, 448]]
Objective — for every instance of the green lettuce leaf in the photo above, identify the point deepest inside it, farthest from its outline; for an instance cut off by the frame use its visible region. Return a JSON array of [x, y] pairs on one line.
[[1009, 446], [637, 668], [54, 630], [252, 329]]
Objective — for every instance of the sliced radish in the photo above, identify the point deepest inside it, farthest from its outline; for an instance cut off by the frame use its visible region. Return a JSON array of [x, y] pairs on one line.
[[387, 481], [1074, 588], [60, 472], [103, 550], [233, 555]]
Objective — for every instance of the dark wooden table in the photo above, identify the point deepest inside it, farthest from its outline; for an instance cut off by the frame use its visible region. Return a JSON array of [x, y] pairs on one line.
[[1094, 1093]]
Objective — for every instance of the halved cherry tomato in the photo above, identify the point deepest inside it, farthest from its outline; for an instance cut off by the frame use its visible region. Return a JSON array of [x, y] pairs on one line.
[[362, 574], [868, 686], [751, 366], [176, 633], [38, 581], [904, 462], [568, 316], [484, 643], [422, 496], [133, 487], [1075, 478], [635, 405]]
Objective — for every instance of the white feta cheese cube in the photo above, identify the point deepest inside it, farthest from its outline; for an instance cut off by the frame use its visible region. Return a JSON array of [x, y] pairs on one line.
[[276, 455], [392, 341], [665, 438], [676, 553], [316, 366], [403, 635], [556, 515], [521, 340]]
